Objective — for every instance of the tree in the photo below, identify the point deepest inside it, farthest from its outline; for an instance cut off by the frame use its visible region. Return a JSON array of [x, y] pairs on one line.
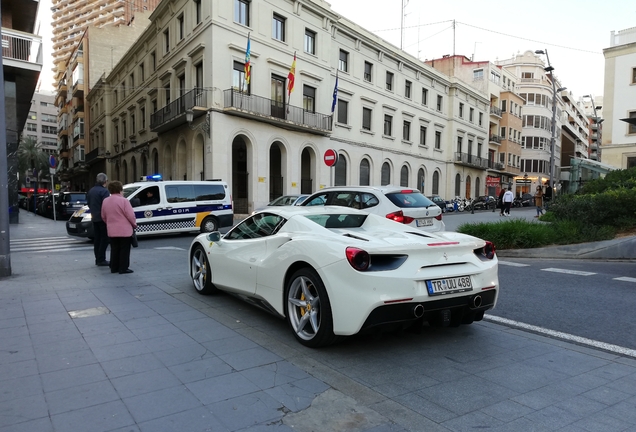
[[30, 156]]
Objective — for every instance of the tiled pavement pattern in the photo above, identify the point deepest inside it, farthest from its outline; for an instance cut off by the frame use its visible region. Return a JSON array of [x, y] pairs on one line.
[[166, 359]]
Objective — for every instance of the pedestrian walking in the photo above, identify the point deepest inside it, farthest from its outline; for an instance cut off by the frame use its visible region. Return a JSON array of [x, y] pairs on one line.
[[120, 223], [501, 204], [508, 198], [547, 196], [538, 201], [95, 198]]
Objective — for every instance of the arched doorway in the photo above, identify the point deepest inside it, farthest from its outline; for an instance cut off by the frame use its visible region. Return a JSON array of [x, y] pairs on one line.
[[124, 169], [385, 175], [155, 162], [420, 180], [340, 171], [435, 183], [404, 176], [117, 171], [182, 161], [133, 168], [240, 175], [144, 165], [276, 180], [477, 187], [468, 184], [307, 170], [167, 163], [458, 185], [365, 173], [198, 161]]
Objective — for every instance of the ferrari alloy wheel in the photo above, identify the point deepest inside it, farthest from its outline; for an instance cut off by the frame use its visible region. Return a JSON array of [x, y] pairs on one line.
[[201, 272], [309, 310]]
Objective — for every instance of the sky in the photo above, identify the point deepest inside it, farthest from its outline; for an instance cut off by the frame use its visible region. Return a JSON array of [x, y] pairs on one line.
[[574, 32]]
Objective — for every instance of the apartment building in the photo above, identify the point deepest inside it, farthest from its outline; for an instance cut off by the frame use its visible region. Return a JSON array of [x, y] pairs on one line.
[[593, 108], [619, 128], [178, 104], [503, 118], [21, 66], [71, 17]]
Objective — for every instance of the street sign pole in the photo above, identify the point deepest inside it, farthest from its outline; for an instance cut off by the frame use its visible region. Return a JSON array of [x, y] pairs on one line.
[[53, 163]]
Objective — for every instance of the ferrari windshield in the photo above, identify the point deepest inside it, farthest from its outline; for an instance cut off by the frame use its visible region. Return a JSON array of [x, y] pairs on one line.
[[338, 220]]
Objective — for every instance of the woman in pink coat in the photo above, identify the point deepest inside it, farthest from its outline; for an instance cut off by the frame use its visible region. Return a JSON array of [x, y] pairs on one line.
[[120, 223]]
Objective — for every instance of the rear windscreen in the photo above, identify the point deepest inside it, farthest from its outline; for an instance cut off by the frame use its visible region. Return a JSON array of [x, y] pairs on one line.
[[77, 197], [409, 199], [338, 220]]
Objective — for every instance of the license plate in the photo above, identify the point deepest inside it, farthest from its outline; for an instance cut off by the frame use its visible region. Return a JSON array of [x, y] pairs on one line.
[[449, 285], [423, 222], [72, 225]]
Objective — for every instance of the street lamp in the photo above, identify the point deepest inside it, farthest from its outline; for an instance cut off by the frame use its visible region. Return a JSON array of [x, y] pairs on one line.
[[550, 70], [598, 122], [205, 126]]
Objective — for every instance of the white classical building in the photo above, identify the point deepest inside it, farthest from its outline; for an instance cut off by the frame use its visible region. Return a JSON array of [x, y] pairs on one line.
[[396, 120], [619, 137]]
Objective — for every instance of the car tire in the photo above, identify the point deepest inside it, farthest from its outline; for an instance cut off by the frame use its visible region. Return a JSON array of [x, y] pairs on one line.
[[200, 272], [310, 320], [209, 224]]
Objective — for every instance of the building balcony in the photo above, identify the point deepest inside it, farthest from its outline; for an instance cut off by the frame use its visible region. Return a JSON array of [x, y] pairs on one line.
[[594, 146], [495, 111], [494, 165], [275, 113], [78, 89], [174, 114], [95, 155], [494, 139], [469, 160]]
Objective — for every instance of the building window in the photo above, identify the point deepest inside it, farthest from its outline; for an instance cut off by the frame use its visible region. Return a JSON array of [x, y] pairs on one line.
[[310, 42], [632, 128], [166, 89], [633, 75], [368, 68], [32, 127], [181, 27], [439, 103], [238, 77], [424, 96], [343, 61], [388, 124], [142, 75], [116, 133], [407, 89], [49, 129], [435, 183], [309, 98], [404, 176], [406, 131], [278, 27], [133, 126], [142, 115], [366, 119], [478, 74], [340, 172], [365, 173], [481, 119], [422, 135], [197, 11], [116, 97], [471, 115], [461, 110], [389, 81], [153, 61], [503, 105], [198, 75], [438, 140], [343, 106], [459, 144], [242, 12], [385, 174], [132, 82], [166, 40], [154, 105]]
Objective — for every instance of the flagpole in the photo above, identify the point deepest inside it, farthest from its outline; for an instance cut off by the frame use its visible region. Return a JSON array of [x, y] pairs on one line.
[[247, 70], [291, 78]]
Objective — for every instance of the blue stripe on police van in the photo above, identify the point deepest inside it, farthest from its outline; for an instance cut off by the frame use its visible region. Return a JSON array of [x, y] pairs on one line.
[[182, 210]]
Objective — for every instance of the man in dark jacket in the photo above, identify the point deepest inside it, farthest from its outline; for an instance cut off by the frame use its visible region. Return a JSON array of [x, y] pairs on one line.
[[95, 197]]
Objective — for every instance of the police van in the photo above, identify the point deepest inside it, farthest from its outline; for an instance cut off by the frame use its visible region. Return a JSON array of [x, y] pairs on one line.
[[170, 206]]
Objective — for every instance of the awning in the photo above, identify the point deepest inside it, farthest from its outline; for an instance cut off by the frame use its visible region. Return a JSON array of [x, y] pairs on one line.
[[631, 120]]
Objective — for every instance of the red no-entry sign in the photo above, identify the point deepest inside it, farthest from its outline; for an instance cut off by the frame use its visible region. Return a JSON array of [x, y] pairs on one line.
[[331, 157]]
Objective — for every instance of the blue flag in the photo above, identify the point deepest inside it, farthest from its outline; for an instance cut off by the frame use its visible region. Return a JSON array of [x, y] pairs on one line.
[[335, 95]]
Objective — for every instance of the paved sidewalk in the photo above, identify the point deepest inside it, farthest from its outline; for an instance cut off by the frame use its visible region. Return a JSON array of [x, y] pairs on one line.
[[85, 350]]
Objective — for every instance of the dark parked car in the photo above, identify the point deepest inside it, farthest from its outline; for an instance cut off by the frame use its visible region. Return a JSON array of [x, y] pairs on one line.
[[439, 201], [485, 203], [69, 202], [525, 200]]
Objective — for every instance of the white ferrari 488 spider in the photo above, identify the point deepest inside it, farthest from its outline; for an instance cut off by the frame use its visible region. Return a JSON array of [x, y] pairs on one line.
[[334, 271]]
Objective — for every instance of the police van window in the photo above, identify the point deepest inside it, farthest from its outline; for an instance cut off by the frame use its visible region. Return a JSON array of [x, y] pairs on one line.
[[209, 192], [179, 193], [150, 196], [130, 190]]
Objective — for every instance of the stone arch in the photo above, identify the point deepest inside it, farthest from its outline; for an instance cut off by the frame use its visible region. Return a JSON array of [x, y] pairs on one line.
[[308, 161]]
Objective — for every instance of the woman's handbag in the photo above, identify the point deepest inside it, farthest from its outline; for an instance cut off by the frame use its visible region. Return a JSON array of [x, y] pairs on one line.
[[133, 239]]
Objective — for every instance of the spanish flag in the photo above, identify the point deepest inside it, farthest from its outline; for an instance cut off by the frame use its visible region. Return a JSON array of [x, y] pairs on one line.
[[248, 65], [291, 77]]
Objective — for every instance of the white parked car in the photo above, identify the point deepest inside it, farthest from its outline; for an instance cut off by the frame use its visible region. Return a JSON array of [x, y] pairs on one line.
[[404, 205], [285, 200], [334, 271]]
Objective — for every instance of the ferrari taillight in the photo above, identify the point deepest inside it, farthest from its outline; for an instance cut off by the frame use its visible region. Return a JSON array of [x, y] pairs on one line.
[[487, 252], [398, 216], [358, 259]]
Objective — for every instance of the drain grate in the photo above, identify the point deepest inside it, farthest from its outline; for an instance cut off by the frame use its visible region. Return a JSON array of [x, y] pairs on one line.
[[85, 313]]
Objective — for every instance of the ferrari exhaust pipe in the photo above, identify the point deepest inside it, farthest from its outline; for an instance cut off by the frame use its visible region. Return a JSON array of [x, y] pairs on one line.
[[477, 301], [418, 311]]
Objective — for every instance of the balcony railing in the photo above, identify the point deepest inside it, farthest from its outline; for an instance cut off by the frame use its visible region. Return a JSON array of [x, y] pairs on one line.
[[94, 154], [194, 98], [21, 46], [495, 138], [496, 111], [276, 111], [471, 160]]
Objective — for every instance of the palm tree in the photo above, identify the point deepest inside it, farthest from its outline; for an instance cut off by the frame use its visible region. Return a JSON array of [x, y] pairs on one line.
[[30, 156]]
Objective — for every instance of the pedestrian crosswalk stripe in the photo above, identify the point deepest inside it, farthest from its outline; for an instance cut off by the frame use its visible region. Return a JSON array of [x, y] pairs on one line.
[[566, 271], [625, 279], [513, 264]]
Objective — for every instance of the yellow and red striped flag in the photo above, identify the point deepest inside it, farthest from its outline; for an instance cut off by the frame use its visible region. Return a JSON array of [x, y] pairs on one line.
[[291, 77], [248, 65]]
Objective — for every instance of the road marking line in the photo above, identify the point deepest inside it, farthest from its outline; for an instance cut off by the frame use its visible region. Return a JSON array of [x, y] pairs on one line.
[[625, 279], [169, 248], [45, 239], [565, 336], [53, 250], [574, 272], [513, 264]]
